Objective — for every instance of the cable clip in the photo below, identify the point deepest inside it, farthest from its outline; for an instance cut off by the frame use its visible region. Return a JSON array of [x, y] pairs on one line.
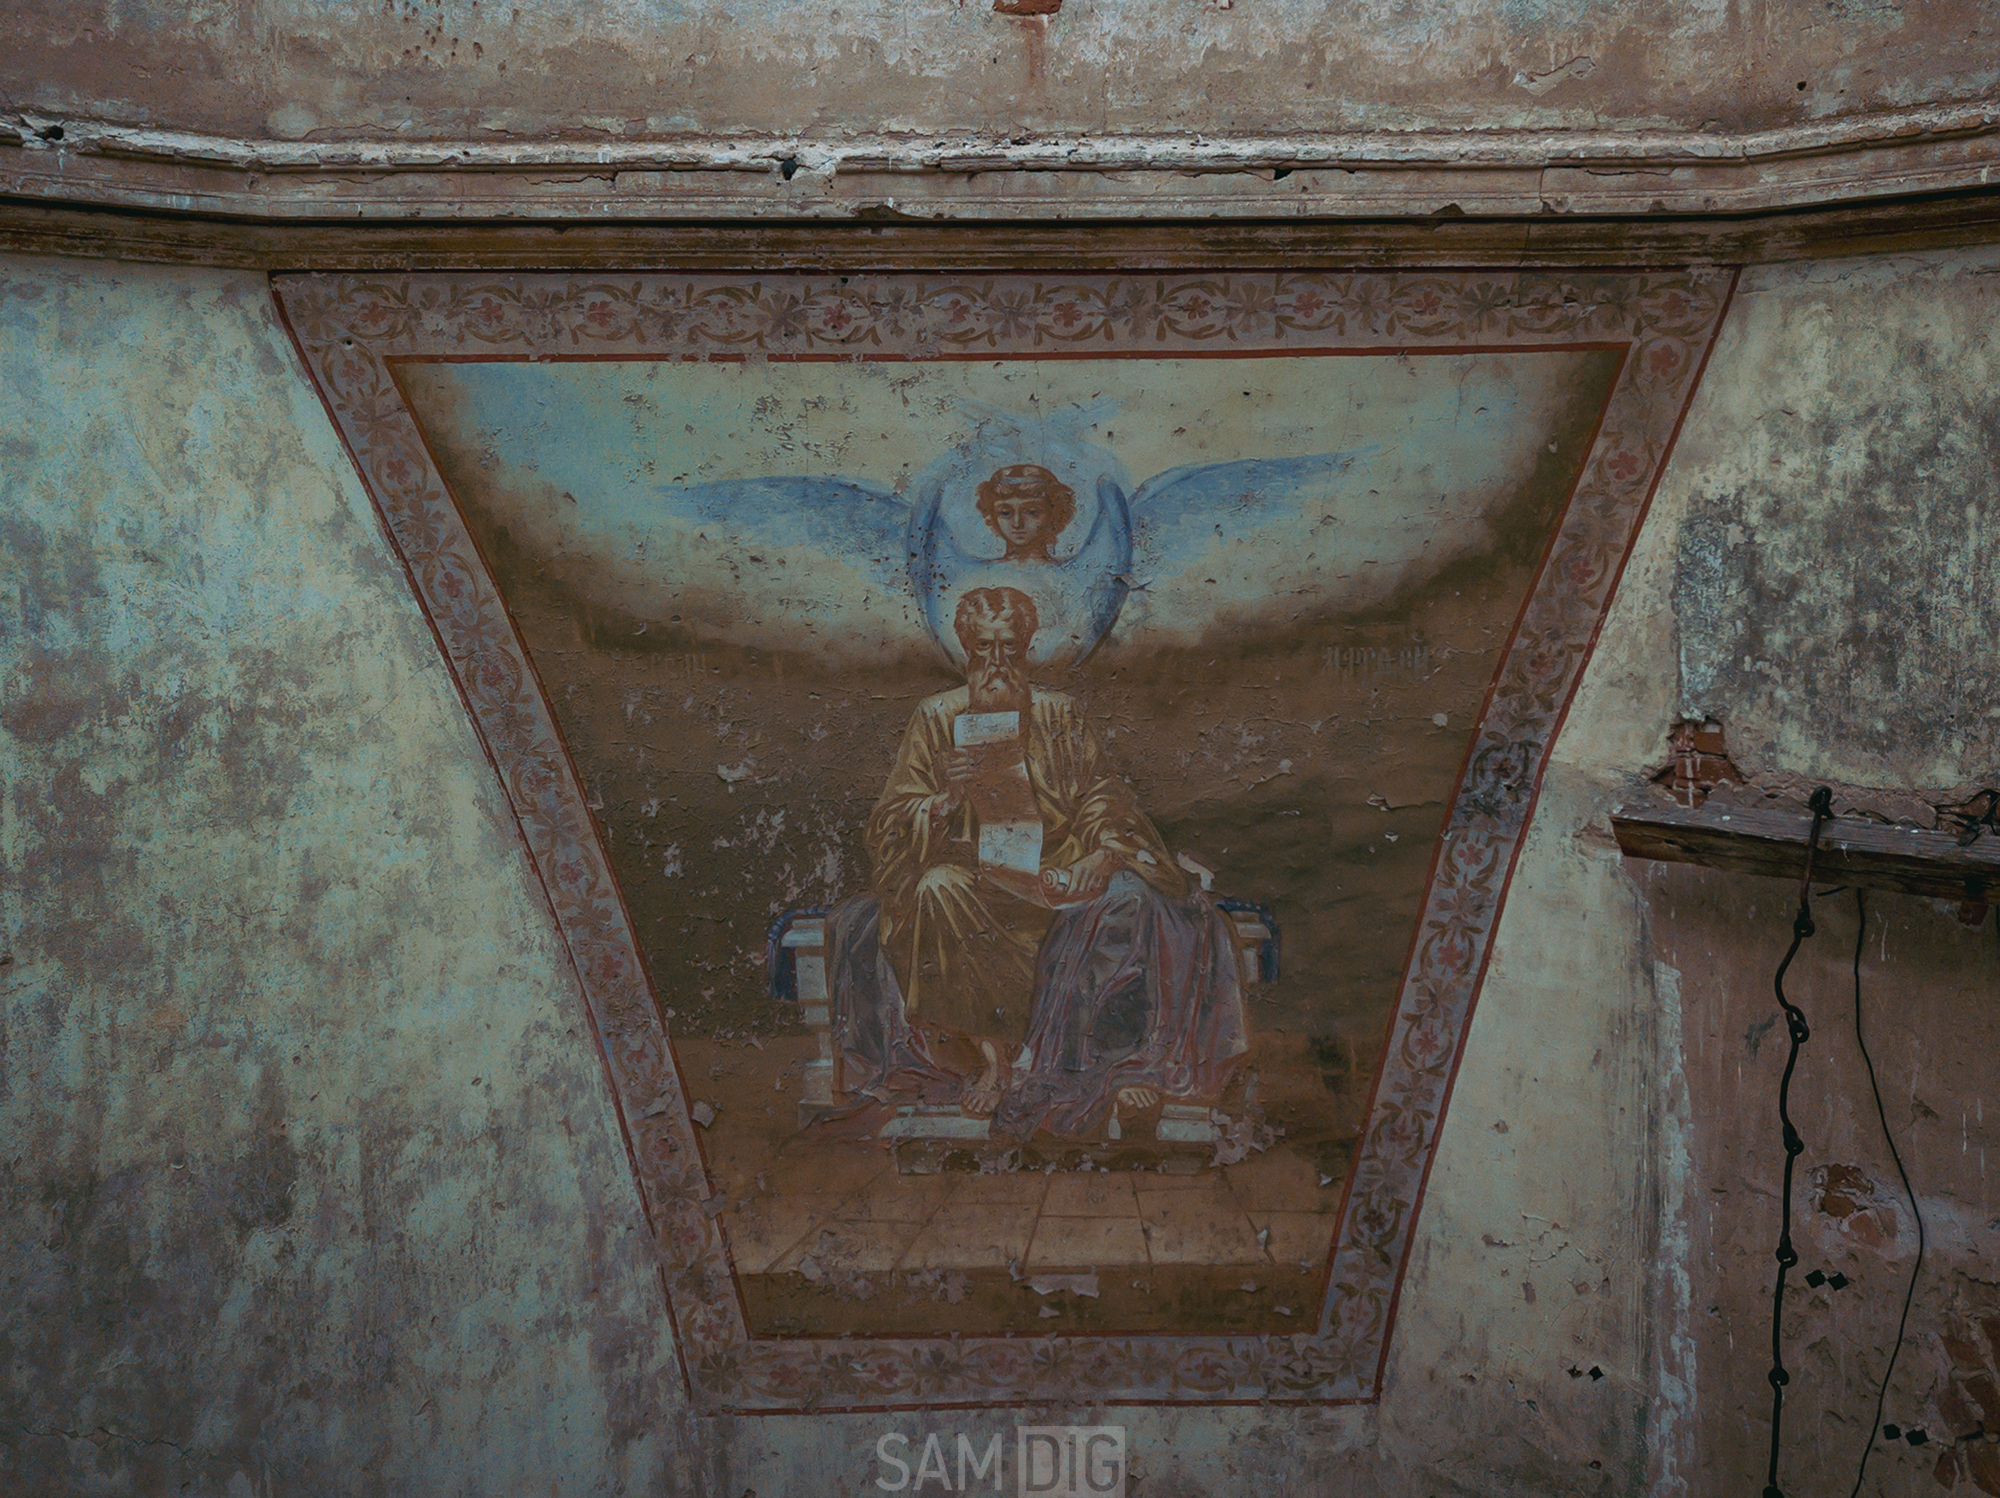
[[1821, 802]]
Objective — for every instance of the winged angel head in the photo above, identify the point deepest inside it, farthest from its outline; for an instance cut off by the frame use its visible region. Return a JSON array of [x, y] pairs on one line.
[[1028, 507], [1036, 504]]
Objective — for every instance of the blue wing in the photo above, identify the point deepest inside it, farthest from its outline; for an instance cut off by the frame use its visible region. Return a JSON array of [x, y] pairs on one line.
[[861, 524], [1184, 509], [936, 560], [1211, 541], [1110, 558]]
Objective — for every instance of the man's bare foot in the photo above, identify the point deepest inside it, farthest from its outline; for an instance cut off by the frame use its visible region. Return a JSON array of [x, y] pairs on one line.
[[1138, 1099], [983, 1101]]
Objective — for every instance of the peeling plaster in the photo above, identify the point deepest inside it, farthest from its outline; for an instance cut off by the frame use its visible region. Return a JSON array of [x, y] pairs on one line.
[[430, 68], [300, 1133], [244, 821], [1836, 590]]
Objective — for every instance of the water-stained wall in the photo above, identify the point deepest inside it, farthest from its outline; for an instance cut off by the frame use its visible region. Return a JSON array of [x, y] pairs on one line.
[[1831, 514], [459, 69], [310, 1175], [1835, 588]]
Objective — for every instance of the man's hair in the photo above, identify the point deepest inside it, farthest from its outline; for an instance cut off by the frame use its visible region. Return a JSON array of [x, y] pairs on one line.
[[994, 606], [1029, 481]]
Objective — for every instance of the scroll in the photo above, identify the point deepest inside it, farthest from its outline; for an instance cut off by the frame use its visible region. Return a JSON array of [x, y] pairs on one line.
[[1010, 824]]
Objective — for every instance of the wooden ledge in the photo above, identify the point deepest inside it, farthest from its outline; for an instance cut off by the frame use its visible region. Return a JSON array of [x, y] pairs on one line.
[[1759, 840], [1192, 243]]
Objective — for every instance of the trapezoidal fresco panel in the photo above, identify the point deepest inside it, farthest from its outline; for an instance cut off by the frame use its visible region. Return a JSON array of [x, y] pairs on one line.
[[1027, 770]]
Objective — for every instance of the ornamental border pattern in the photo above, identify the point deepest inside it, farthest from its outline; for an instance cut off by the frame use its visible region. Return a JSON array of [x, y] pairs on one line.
[[349, 328]]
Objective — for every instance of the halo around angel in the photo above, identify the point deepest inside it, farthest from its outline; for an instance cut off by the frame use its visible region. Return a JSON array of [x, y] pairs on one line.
[[1026, 503]]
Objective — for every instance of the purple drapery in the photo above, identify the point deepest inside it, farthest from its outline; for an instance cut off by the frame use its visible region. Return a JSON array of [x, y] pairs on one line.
[[1132, 989]]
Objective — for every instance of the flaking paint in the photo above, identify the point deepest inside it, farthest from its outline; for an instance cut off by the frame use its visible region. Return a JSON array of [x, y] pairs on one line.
[[245, 820]]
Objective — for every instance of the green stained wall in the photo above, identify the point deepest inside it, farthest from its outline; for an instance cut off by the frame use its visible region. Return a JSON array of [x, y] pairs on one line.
[[307, 1173], [309, 1182]]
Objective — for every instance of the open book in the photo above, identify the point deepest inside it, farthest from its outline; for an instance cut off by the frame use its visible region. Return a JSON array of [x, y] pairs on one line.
[[1010, 824]]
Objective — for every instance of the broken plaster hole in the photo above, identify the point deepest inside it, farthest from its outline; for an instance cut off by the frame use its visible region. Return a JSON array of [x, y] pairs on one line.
[[788, 168], [1026, 7], [50, 132], [1698, 761]]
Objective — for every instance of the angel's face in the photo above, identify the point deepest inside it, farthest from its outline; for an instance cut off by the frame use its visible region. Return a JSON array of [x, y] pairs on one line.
[[996, 666], [1023, 523]]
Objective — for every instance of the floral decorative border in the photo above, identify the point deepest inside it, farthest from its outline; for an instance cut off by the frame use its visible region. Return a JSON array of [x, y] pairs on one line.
[[349, 327]]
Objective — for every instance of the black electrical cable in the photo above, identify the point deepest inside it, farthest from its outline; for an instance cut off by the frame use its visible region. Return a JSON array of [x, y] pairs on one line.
[[1800, 1032], [1881, 1113]]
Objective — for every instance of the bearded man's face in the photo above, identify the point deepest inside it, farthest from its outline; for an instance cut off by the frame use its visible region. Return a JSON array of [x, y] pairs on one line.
[[996, 667]]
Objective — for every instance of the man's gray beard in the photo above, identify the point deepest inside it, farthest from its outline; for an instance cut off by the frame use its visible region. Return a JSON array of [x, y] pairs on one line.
[[998, 691]]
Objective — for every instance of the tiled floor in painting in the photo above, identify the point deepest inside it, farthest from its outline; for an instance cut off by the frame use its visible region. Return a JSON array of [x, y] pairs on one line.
[[827, 1237], [1270, 1210]]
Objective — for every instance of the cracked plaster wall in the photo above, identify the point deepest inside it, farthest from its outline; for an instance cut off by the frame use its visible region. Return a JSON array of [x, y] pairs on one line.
[[1817, 572], [485, 69], [306, 1172], [311, 1185], [1836, 587], [311, 1182]]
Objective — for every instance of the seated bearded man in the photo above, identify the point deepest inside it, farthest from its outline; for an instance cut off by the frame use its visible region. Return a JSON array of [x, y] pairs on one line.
[[1039, 997]]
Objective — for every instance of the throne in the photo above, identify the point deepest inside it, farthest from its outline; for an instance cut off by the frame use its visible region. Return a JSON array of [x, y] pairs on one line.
[[795, 959]]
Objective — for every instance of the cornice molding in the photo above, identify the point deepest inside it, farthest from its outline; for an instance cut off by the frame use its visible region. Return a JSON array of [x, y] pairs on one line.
[[1377, 174], [1916, 179]]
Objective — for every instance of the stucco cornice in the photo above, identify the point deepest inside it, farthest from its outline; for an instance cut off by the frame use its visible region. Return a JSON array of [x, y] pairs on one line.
[[1476, 194], [1360, 175]]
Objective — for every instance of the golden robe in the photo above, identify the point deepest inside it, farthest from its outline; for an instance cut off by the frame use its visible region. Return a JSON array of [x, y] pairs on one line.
[[963, 948]]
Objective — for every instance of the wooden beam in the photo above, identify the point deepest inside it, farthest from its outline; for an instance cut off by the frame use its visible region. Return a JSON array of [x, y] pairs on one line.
[[282, 244], [1757, 840]]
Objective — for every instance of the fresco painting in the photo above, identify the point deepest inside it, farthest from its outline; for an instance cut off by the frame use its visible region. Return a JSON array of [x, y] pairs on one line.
[[1024, 776]]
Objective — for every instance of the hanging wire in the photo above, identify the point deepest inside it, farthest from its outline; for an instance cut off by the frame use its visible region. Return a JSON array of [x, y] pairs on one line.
[[1800, 1032], [1881, 1113]]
